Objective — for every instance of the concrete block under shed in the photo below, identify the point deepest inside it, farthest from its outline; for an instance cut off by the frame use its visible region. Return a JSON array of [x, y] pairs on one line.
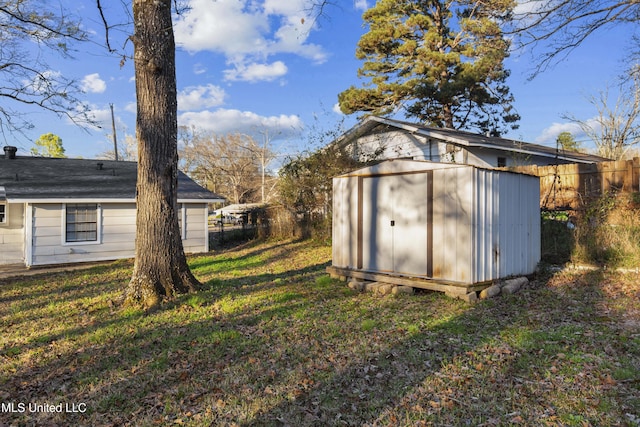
[[380, 288], [471, 297], [406, 290], [356, 285], [371, 286], [490, 292], [511, 286], [385, 289]]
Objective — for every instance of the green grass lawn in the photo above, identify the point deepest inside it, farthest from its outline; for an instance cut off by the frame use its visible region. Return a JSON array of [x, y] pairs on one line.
[[274, 341]]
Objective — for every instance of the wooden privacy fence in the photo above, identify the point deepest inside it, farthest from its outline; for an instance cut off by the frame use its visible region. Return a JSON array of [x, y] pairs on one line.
[[568, 186]]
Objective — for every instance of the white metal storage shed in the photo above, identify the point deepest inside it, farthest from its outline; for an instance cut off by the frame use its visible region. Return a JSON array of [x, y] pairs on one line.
[[457, 225]]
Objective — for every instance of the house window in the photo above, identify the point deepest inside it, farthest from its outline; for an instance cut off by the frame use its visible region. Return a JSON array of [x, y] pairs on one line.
[[81, 223], [3, 213], [502, 162]]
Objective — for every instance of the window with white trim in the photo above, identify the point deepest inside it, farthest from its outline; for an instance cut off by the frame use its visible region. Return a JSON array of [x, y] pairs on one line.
[[81, 222]]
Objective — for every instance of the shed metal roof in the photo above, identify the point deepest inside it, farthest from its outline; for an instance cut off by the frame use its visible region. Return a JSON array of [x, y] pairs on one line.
[[375, 124], [50, 179]]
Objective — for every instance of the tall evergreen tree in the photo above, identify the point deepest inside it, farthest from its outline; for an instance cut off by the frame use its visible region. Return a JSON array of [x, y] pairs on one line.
[[439, 60]]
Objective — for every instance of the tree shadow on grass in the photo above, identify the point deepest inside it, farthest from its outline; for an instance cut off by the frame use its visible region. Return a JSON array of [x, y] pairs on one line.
[[251, 256], [296, 352], [498, 363], [34, 287], [125, 345]]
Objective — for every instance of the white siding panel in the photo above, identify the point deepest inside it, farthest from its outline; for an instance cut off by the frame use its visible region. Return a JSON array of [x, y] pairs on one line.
[[119, 232], [12, 235], [117, 237], [119, 226], [197, 230], [519, 217]]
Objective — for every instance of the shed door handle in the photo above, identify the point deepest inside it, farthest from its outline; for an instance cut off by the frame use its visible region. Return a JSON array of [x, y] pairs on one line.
[[393, 223]]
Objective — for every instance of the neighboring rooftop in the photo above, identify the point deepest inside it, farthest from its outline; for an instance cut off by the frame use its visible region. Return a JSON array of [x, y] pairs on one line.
[[43, 178], [374, 124]]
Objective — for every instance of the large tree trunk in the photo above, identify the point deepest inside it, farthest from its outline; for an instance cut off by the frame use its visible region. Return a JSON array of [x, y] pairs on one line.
[[160, 268]]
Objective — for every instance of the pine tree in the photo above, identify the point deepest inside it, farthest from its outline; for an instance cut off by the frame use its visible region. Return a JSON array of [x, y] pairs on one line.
[[439, 61]]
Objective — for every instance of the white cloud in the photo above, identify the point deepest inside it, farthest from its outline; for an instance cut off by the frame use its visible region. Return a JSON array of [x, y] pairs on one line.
[[131, 107], [361, 4], [92, 83], [224, 121], [292, 34], [336, 109], [199, 97], [248, 32], [40, 82], [525, 8], [289, 7], [550, 134], [221, 26], [101, 115], [102, 119], [256, 72], [199, 68]]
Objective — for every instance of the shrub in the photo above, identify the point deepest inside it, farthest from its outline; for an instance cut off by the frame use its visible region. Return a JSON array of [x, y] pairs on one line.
[[605, 231]]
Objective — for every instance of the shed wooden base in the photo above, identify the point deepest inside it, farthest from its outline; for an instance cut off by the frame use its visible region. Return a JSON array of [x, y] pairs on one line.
[[450, 288]]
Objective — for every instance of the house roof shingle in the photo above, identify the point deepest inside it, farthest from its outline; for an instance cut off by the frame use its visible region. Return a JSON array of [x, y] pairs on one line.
[[26, 178]]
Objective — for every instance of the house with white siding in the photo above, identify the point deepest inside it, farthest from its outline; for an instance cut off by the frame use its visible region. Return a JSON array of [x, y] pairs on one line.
[[60, 211], [379, 138]]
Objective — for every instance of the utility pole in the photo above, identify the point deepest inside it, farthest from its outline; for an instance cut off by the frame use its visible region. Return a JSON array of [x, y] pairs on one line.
[[113, 127]]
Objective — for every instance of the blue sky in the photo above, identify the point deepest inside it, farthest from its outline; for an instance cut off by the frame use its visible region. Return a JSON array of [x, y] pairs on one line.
[[256, 66]]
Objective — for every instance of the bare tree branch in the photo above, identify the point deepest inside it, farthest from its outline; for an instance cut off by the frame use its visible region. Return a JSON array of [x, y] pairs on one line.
[[106, 26], [24, 76], [615, 129], [560, 26]]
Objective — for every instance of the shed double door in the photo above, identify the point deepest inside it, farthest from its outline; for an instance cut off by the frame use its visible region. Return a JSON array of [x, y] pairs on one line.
[[395, 225]]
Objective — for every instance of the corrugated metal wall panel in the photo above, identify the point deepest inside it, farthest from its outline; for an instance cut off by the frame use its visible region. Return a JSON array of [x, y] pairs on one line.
[[507, 227], [345, 222], [377, 243], [481, 225], [452, 209], [486, 231]]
